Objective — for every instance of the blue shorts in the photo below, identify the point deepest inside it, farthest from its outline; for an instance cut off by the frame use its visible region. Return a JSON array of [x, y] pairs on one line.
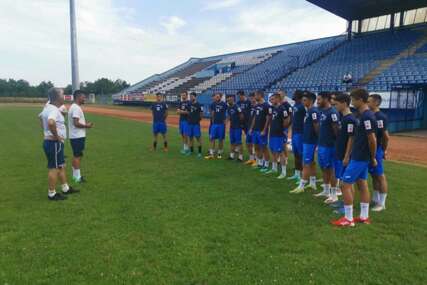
[[159, 128], [78, 146], [297, 145], [308, 151], [326, 157], [339, 168], [276, 144], [356, 170], [183, 125], [259, 139], [236, 136], [217, 132], [379, 169], [193, 131], [54, 152]]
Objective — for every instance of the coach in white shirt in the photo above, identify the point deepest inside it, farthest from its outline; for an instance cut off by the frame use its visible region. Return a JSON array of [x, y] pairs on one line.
[[55, 133], [77, 125]]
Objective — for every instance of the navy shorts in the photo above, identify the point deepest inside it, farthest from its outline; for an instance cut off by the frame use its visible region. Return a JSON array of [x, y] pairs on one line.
[[236, 136], [297, 145], [308, 153], [217, 132], [326, 157], [54, 151], [356, 170], [259, 139], [183, 125], [160, 128], [276, 144], [193, 131], [379, 169], [78, 146]]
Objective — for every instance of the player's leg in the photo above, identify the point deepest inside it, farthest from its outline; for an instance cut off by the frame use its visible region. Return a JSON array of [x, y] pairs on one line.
[[165, 141], [76, 161], [307, 161], [155, 137], [212, 137], [239, 143], [297, 149], [283, 163], [231, 136], [221, 138], [382, 186], [66, 189], [362, 186]]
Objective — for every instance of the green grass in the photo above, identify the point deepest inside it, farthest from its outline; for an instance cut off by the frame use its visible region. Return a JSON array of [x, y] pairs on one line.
[[156, 218]]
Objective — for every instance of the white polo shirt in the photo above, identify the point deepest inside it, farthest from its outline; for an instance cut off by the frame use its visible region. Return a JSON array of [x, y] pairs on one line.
[[52, 112], [76, 112]]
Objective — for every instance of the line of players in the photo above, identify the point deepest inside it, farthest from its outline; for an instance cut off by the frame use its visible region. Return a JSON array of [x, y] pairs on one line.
[[348, 145]]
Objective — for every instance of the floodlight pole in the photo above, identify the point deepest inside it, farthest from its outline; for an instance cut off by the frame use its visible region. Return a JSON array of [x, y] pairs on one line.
[[74, 54]]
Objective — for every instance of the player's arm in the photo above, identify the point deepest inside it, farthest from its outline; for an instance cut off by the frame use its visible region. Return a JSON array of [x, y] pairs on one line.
[[252, 125], [51, 124], [348, 149], [372, 141], [267, 121], [77, 124], [316, 124]]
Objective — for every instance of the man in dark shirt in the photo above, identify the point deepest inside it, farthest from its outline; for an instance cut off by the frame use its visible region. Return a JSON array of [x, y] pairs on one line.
[[193, 129], [379, 180], [344, 142], [235, 117], [183, 109], [286, 107], [362, 154], [218, 111], [249, 137], [328, 130], [259, 131], [278, 118], [310, 139], [298, 116], [160, 114], [245, 105]]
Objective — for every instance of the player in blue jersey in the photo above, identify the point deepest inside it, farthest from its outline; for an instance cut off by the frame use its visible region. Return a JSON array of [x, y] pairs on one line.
[[245, 105], [310, 139], [249, 137], [379, 180], [259, 131], [327, 130], [362, 154], [183, 110], [344, 142], [286, 106], [278, 118], [193, 129], [298, 116], [218, 111], [160, 114], [235, 118]]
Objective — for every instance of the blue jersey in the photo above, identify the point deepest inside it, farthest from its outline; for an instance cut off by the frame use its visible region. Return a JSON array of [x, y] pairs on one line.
[[347, 129], [278, 115], [311, 117], [245, 106], [382, 123], [298, 116], [366, 125], [260, 116], [234, 113], [328, 119], [218, 111], [194, 117], [159, 112], [184, 106]]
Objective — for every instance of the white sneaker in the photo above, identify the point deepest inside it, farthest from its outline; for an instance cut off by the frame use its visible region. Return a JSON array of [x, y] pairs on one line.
[[378, 208], [330, 200], [282, 176], [322, 194]]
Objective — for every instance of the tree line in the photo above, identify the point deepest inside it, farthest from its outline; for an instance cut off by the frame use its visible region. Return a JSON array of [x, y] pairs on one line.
[[22, 88]]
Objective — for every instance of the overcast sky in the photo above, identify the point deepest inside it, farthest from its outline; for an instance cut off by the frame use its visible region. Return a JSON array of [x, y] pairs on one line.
[[133, 39]]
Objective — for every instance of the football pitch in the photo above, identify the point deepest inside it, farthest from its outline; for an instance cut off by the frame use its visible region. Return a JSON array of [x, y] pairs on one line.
[[162, 218]]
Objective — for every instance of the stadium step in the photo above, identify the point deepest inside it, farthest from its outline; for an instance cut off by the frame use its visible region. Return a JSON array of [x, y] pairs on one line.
[[386, 64]]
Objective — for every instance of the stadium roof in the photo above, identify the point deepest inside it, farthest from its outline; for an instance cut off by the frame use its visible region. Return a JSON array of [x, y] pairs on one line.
[[362, 9]]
